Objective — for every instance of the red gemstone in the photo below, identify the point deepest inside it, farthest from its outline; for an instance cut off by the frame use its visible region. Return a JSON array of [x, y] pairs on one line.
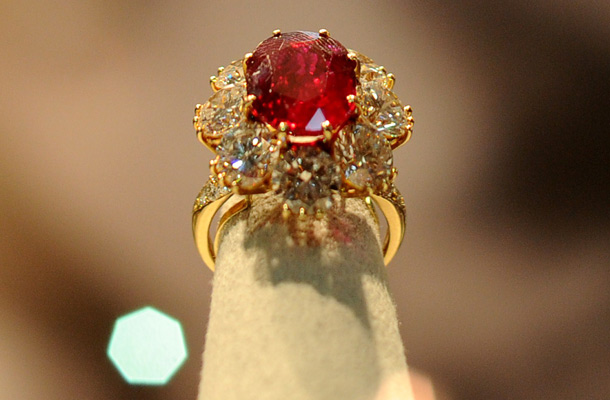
[[302, 79]]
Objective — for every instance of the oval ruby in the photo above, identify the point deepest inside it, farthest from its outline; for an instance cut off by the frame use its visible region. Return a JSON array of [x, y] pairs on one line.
[[302, 79]]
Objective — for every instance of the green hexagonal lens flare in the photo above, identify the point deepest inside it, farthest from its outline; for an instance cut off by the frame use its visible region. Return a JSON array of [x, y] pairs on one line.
[[147, 347]]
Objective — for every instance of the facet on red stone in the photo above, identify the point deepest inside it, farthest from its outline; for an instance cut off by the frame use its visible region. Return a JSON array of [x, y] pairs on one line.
[[302, 79]]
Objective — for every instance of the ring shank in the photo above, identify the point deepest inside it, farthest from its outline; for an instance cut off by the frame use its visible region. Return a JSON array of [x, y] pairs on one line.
[[396, 220], [202, 222], [393, 212]]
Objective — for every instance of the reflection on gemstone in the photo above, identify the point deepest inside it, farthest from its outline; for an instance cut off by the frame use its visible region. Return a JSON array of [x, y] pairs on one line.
[[315, 123], [147, 347]]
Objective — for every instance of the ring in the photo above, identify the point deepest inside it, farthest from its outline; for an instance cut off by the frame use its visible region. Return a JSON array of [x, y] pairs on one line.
[[308, 119]]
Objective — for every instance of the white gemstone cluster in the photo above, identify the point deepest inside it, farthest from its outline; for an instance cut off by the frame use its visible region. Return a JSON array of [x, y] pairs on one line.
[[253, 157]]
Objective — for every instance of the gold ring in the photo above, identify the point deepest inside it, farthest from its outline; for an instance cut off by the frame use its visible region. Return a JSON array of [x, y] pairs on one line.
[[308, 119]]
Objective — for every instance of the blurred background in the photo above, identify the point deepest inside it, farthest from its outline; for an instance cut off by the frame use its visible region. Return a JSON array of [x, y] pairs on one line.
[[502, 284]]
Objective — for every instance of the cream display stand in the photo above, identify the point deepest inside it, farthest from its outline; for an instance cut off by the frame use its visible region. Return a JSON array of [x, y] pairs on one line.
[[301, 310]]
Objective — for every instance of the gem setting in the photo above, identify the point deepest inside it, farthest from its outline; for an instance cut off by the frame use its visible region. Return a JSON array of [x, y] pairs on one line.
[[305, 117]]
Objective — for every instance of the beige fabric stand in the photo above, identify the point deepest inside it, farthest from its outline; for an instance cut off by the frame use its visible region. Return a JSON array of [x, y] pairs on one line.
[[301, 310]]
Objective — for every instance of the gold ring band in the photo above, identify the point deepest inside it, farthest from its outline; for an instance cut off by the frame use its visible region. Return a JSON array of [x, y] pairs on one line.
[[212, 198]]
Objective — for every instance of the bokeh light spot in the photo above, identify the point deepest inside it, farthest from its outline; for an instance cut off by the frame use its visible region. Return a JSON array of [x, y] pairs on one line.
[[147, 347]]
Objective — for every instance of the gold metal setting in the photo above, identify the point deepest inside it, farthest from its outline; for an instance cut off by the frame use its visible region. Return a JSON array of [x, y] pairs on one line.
[[354, 57], [247, 105], [221, 186], [391, 80], [247, 57], [213, 80]]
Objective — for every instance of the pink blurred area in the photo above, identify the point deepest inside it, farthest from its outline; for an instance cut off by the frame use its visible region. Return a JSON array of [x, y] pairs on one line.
[[502, 284]]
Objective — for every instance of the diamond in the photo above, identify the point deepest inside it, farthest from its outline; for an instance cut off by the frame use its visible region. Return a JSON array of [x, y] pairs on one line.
[[365, 157], [301, 79], [307, 176], [384, 110], [211, 191], [222, 111], [391, 119], [379, 104], [395, 196], [232, 74], [371, 72], [246, 156]]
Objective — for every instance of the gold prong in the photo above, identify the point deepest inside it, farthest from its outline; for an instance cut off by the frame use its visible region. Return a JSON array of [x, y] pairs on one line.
[[277, 33], [391, 79], [247, 56], [327, 130], [286, 211], [324, 33], [319, 214], [208, 140], [232, 184], [411, 121], [352, 99], [396, 142], [393, 173], [408, 110], [302, 213], [353, 190], [213, 80], [197, 117], [354, 57], [280, 141], [247, 105], [283, 127], [220, 69], [214, 170], [214, 166]]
